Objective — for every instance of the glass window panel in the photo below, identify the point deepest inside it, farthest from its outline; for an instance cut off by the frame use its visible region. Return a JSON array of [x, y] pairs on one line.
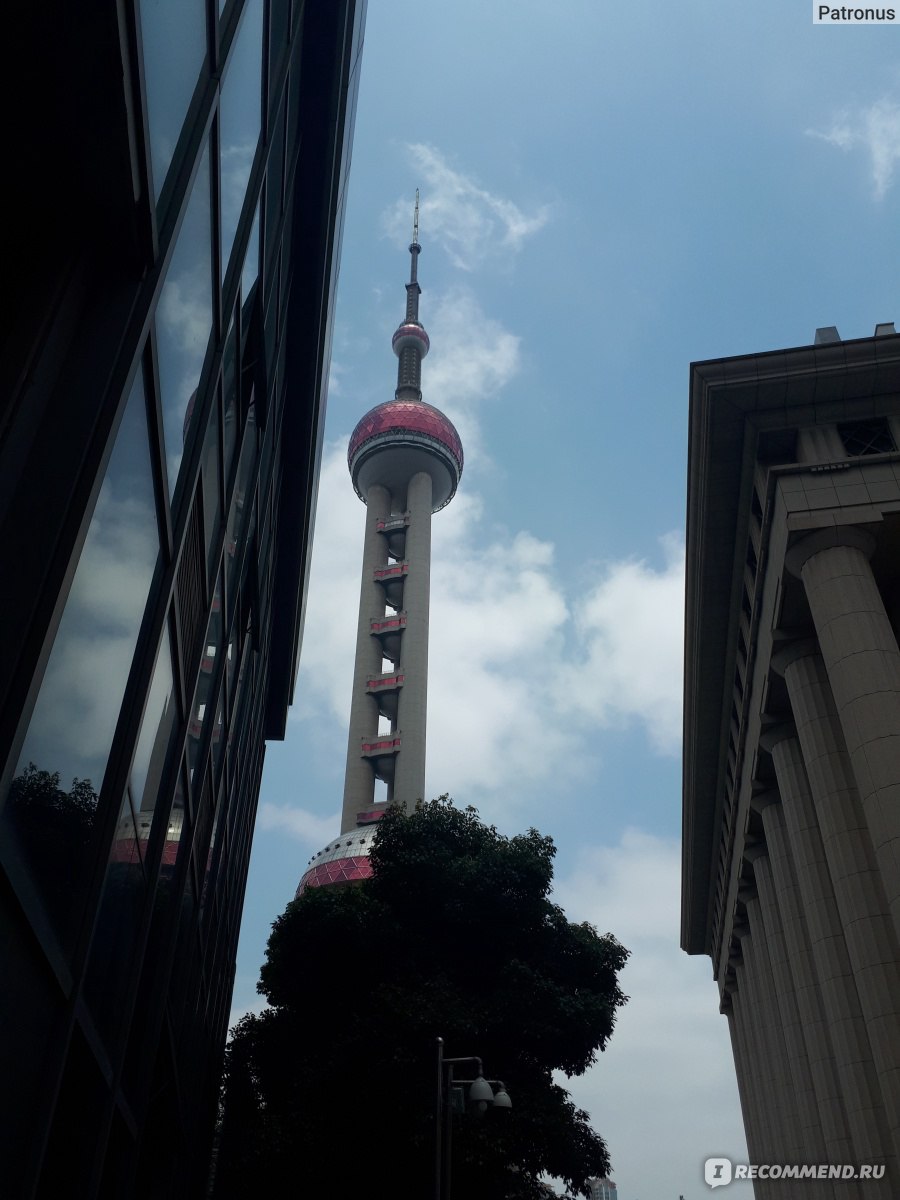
[[274, 185], [235, 534], [51, 805], [173, 33], [118, 922], [203, 701], [203, 823], [157, 729], [279, 28], [184, 321], [294, 93], [231, 664], [212, 504], [270, 326], [218, 733], [240, 111], [250, 272], [166, 896], [229, 380], [236, 725], [217, 835], [177, 837]]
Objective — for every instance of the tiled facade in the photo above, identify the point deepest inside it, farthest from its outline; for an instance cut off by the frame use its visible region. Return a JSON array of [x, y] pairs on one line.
[[791, 874], [177, 226]]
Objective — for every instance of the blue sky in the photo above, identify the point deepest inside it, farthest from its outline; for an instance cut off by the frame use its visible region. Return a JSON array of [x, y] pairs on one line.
[[609, 192]]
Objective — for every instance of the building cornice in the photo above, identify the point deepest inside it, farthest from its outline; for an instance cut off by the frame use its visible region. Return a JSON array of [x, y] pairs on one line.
[[733, 401]]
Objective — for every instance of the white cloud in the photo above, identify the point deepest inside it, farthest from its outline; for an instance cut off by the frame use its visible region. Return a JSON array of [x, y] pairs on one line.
[[664, 1093], [473, 359], [609, 655], [235, 163], [299, 823], [875, 129], [74, 720], [630, 635], [471, 223], [335, 371]]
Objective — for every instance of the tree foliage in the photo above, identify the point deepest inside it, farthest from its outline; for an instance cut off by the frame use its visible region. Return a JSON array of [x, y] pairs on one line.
[[54, 829], [333, 1086]]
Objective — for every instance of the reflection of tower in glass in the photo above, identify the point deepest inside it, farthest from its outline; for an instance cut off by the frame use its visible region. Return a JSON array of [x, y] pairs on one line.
[[405, 460]]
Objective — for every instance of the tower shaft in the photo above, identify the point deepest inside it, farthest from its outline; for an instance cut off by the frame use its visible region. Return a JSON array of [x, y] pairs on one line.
[[409, 768], [359, 779], [390, 678]]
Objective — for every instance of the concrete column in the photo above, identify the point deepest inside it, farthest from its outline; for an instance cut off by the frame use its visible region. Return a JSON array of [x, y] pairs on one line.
[[759, 1130], [813, 1022], [863, 664], [868, 929], [730, 1007], [359, 779], [409, 774], [854, 1062], [809, 1143], [778, 1147]]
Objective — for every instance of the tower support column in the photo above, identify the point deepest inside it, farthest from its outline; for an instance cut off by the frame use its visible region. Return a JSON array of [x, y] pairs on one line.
[[409, 778], [813, 1022], [730, 1007], [747, 1014], [862, 906], [359, 779], [779, 1143], [849, 1037], [862, 659], [808, 1144]]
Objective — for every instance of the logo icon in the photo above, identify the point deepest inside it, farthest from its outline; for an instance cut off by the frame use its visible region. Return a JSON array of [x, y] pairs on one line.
[[717, 1171]]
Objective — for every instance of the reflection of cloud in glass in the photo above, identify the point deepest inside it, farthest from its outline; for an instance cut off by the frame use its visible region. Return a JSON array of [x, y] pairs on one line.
[[250, 271], [153, 740], [184, 313], [184, 318], [240, 121], [236, 162], [75, 716], [173, 33]]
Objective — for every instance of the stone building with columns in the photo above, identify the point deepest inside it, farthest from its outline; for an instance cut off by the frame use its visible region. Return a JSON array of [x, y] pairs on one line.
[[791, 819]]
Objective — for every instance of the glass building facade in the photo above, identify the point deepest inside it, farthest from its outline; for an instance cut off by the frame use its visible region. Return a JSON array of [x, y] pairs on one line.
[[176, 232]]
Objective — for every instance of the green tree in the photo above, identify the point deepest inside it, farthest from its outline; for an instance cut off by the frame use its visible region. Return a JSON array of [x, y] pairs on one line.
[[332, 1088], [54, 829]]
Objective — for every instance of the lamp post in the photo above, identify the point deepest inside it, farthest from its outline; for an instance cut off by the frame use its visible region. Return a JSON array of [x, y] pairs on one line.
[[481, 1093]]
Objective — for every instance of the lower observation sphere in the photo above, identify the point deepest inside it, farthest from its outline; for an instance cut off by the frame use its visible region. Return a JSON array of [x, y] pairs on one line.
[[345, 860], [398, 439]]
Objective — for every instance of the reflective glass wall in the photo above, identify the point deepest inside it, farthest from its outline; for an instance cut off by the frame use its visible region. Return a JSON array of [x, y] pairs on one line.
[[155, 458]]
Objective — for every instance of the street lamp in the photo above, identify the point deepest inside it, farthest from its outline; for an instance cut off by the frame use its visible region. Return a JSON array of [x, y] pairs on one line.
[[481, 1095]]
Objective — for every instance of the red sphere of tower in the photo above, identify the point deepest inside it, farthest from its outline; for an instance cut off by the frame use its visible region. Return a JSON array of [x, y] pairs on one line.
[[399, 438]]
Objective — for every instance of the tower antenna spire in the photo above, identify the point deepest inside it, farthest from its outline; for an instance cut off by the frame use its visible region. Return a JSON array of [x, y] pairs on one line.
[[410, 342], [414, 250]]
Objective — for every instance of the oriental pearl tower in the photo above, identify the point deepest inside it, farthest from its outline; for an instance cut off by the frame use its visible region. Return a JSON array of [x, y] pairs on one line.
[[405, 459]]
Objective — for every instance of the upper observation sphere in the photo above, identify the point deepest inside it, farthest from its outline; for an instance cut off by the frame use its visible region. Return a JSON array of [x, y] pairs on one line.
[[411, 334], [396, 440]]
